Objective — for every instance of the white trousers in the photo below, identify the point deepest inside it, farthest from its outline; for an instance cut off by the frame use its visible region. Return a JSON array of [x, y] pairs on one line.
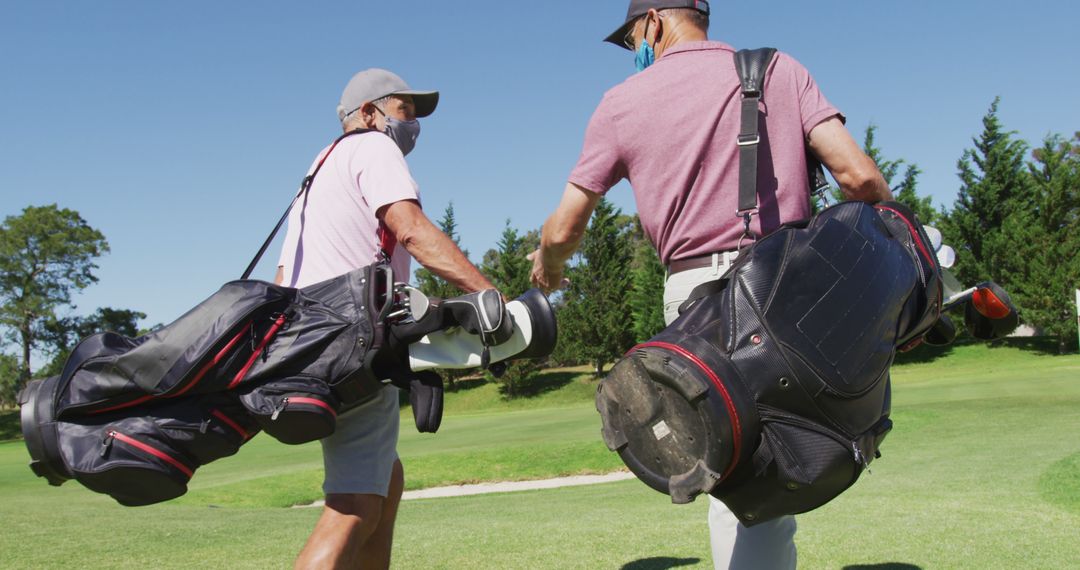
[[766, 546]]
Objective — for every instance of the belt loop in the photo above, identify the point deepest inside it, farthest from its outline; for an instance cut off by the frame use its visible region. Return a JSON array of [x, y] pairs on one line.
[[716, 263]]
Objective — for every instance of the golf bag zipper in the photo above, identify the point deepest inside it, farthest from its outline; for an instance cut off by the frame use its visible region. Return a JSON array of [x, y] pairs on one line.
[[189, 384], [771, 414], [274, 328], [248, 328], [230, 423], [114, 436], [284, 404]]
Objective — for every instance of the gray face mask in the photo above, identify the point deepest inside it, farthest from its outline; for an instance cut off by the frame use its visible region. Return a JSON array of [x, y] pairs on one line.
[[404, 133]]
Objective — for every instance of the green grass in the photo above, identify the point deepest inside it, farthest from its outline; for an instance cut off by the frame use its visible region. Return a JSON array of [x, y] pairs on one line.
[[9, 425], [981, 471]]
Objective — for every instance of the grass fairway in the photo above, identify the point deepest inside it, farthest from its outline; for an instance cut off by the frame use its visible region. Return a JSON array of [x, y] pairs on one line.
[[981, 471]]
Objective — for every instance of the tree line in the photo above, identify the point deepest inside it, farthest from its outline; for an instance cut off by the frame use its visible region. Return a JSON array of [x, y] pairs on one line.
[[1015, 220]]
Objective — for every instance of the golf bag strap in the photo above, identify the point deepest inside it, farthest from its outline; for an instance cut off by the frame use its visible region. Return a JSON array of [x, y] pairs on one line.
[[387, 241], [751, 66], [305, 187]]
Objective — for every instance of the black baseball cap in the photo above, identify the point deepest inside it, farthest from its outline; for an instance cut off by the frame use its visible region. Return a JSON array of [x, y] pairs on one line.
[[639, 8]]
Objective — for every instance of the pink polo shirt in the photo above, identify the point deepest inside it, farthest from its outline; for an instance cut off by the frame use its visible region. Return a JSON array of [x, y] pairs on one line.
[[671, 131], [334, 230]]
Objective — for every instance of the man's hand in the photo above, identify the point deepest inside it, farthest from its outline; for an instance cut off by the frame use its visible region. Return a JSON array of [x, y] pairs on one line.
[[547, 279]]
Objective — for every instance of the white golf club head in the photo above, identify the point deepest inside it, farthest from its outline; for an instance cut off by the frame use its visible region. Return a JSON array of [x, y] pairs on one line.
[[946, 257], [935, 237]]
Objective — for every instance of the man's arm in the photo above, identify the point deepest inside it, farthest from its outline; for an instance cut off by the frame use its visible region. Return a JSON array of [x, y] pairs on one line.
[[430, 246], [562, 234], [857, 174]]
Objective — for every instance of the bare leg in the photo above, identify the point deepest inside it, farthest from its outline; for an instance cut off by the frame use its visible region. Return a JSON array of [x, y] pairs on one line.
[[375, 553], [355, 531], [346, 523]]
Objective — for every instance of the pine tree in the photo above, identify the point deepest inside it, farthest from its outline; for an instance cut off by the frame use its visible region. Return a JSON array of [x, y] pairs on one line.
[[993, 187], [509, 270], [432, 285], [507, 266], [906, 191], [1043, 241], [647, 291], [597, 317]]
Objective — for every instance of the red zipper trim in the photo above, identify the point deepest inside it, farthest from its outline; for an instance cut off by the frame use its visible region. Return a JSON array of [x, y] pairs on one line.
[[134, 402], [217, 359], [198, 377], [914, 234], [153, 451], [733, 415], [922, 248], [258, 350], [313, 402], [235, 426]]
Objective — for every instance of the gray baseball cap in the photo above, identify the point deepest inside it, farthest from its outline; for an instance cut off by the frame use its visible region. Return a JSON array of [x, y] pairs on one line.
[[639, 8], [373, 84]]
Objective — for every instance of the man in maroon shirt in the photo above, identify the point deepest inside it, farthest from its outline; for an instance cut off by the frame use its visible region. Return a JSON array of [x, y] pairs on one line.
[[671, 131]]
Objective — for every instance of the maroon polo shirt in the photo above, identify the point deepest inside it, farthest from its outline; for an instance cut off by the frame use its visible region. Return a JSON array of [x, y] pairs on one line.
[[671, 131]]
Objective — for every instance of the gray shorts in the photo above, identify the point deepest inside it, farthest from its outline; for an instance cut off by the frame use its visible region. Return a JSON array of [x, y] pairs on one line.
[[359, 456]]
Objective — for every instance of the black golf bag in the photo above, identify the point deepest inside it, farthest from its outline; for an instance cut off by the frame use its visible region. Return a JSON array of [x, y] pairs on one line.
[[771, 390], [135, 417]]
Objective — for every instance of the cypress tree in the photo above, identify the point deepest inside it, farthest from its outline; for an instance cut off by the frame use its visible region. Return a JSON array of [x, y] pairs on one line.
[[509, 269], [1043, 240], [993, 187], [597, 318], [905, 191], [432, 285], [647, 287]]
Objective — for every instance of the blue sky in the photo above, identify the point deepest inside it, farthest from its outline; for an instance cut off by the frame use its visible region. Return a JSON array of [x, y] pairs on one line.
[[180, 130]]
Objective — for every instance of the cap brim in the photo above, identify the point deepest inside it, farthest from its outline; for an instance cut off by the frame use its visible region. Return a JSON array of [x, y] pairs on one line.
[[619, 35], [425, 101]]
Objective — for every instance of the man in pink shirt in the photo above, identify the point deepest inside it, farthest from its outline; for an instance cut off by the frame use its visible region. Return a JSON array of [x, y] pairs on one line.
[[364, 189], [671, 131]]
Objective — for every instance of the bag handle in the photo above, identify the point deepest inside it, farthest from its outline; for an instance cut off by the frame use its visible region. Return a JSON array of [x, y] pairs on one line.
[[305, 187]]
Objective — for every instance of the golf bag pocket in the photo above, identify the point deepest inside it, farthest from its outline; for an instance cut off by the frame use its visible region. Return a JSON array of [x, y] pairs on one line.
[[293, 411], [132, 460], [800, 465]]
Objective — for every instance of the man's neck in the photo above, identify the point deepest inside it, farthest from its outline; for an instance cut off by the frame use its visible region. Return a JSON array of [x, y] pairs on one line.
[[680, 34]]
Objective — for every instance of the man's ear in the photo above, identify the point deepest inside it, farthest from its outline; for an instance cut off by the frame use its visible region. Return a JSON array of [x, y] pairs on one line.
[[368, 115], [655, 27]]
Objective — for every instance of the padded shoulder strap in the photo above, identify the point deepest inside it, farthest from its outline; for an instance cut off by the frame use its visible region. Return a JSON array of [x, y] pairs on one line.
[[751, 66]]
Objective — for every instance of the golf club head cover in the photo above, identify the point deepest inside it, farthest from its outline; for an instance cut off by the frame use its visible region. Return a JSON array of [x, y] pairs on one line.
[[482, 313], [990, 314], [426, 397]]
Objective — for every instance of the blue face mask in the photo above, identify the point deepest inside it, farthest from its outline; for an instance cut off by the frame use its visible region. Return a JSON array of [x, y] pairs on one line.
[[645, 56]]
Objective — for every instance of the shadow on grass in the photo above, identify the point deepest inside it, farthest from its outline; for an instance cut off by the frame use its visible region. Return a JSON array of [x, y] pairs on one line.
[[9, 425], [884, 566], [925, 353], [660, 563], [1047, 345], [541, 384], [466, 384]]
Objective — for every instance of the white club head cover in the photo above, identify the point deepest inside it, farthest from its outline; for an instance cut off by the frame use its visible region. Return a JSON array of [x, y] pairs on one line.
[[935, 237], [946, 257]]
